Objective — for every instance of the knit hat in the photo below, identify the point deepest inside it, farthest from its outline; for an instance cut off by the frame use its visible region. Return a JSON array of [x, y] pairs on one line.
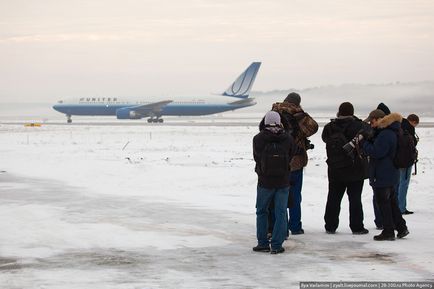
[[384, 108], [346, 109], [378, 113], [272, 118], [294, 98]]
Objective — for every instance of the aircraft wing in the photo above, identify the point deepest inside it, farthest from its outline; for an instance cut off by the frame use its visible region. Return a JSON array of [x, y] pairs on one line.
[[152, 107], [243, 101]]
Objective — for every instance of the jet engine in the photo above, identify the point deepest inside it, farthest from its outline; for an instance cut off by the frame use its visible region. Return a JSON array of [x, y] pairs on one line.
[[127, 113]]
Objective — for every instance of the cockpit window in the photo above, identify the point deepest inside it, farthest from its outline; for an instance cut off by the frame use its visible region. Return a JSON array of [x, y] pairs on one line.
[[60, 101]]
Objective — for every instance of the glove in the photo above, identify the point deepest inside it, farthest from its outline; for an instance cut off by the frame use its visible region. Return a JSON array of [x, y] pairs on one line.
[[366, 133]]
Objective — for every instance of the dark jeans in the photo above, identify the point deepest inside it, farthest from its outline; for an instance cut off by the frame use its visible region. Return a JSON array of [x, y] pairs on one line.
[[296, 183], [377, 214], [333, 206], [389, 210]]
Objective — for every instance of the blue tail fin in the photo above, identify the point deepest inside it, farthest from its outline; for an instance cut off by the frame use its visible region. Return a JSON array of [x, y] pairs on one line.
[[243, 84]]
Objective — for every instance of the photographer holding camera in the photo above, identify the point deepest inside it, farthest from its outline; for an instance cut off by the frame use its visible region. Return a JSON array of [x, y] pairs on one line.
[[383, 174], [300, 125], [347, 168]]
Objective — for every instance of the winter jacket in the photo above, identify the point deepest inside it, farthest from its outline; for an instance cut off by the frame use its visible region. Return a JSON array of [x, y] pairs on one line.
[[381, 151], [350, 125], [260, 141], [301, 126]]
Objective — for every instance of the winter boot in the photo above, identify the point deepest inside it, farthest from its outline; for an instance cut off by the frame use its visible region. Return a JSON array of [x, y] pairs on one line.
[[278, 251], [385, 236], [259, 248], [402, 234], [361, 232]]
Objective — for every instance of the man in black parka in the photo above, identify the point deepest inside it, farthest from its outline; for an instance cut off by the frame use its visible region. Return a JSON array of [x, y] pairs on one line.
[[346, 172]]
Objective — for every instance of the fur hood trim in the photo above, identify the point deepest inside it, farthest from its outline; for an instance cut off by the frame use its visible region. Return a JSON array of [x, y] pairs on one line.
[[389, 119]]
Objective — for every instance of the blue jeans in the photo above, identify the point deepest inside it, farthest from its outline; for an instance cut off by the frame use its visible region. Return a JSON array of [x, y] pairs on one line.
[[296, 182], [402, 187], [264, 197]]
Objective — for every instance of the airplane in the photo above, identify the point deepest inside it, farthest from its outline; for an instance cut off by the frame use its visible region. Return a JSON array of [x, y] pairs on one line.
[[138, 109]]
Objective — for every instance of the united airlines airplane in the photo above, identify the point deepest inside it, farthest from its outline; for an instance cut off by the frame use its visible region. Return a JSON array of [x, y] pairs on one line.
[[132, 109]]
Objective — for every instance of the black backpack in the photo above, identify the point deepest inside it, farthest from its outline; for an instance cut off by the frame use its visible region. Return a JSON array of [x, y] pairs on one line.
[[336, 156], [275, 160], [406, 153]]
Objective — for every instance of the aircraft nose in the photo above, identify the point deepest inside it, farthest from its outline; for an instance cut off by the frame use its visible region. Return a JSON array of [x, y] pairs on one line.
[[56, 107]]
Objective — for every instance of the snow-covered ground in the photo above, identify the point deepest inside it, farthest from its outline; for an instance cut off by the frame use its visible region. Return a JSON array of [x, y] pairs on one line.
[[110, 206]]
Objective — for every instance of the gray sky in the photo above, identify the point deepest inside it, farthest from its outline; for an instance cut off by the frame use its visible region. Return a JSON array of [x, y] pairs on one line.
[[52, 49]]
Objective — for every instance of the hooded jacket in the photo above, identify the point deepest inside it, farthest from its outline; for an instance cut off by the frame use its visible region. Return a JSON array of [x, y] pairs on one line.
[[381, 151], [350, 125], [260, 141]]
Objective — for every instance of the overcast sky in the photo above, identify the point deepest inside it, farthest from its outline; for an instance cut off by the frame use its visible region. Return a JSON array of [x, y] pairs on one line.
[[53, 49]]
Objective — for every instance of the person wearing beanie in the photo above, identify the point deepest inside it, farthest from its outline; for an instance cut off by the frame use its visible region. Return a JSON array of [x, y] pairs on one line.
[[346, 172], [272, 118], [273, 149], [383, 108], [300, 125], [345, 109], [293, 98]]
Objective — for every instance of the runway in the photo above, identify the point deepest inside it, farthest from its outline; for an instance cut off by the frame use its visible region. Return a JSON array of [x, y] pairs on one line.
[[182, 123], [113, 204]]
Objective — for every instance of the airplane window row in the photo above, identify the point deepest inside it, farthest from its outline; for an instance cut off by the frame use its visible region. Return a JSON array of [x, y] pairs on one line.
[[114, 99]]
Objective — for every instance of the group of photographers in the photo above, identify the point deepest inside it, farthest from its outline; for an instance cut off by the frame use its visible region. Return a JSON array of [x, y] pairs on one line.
[[377, 148]]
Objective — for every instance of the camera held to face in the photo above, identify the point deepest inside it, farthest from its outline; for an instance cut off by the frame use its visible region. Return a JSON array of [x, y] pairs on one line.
[[363, 134]]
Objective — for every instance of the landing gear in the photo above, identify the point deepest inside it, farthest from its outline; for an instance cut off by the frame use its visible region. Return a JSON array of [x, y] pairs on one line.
[[68, 118], [155, 120]]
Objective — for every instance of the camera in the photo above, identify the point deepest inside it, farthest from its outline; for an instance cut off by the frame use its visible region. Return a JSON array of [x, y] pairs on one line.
[[309, 145], [351, 145]]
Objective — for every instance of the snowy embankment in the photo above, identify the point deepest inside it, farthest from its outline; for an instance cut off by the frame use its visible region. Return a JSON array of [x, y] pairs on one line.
[[173, 207]]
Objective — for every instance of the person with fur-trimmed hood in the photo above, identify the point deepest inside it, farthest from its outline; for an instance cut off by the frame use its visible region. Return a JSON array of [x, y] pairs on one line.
[[383, 175]]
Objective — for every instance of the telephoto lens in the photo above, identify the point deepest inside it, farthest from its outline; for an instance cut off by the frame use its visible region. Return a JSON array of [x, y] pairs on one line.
[[350, 146]]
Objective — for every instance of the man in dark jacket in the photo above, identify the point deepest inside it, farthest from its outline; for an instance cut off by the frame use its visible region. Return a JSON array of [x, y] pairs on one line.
[[272, 151], [346, 171], [408, 125], [383, 176]]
